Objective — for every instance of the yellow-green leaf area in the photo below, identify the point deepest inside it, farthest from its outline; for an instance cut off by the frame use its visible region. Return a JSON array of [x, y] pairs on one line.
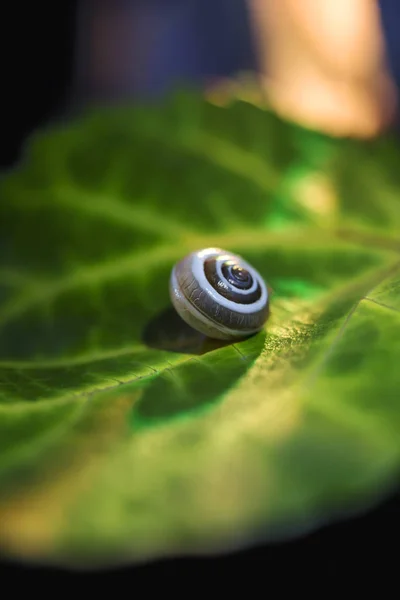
[[124, 434]]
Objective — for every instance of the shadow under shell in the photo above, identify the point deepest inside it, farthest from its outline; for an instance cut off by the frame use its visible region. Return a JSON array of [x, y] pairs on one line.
[[168, 331]]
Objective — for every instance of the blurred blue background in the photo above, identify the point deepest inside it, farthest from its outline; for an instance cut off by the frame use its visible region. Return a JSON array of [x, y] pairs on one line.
[[390, 15], [144, 47]]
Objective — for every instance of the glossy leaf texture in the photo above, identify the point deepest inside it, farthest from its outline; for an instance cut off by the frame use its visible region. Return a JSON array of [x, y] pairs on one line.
[[124, 434]]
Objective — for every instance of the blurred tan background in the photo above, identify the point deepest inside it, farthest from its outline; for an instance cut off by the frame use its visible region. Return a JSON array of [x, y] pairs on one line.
[[324, 63]]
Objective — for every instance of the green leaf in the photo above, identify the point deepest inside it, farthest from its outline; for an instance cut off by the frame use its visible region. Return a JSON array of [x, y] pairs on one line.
[[123, 433]]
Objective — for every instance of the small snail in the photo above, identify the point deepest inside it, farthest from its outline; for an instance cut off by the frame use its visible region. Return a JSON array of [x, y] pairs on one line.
[[219, 294]]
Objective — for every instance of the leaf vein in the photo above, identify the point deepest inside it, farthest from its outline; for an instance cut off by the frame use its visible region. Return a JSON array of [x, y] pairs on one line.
[[382, 304]]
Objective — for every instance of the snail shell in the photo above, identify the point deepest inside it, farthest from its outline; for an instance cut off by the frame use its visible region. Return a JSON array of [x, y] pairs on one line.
[[219, 294]]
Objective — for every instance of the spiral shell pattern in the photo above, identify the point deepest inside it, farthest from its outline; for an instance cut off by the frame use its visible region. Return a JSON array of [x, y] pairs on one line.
[[219, 294]]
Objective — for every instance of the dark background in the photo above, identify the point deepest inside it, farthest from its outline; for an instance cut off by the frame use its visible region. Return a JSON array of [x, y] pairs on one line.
[[38, 83]]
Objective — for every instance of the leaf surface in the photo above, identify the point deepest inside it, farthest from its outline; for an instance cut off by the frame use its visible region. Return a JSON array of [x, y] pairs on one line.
[[123, 433]]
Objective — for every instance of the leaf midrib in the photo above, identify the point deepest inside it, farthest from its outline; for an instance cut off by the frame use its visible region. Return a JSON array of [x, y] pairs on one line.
[[372, 278], [118, 267]]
